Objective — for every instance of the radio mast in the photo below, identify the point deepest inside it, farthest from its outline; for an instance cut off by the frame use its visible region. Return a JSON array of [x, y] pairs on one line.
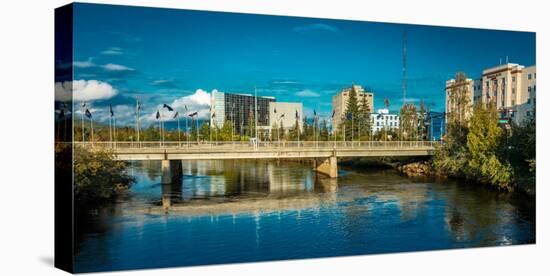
[[404, 66]]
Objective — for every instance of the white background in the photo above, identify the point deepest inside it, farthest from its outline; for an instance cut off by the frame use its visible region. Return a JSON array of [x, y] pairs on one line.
[[26, 136]]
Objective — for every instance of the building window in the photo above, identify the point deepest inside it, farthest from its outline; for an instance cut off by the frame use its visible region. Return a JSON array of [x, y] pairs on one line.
[[529, 76], [513, 79], [513, 102], [529, 101], [513, 90]]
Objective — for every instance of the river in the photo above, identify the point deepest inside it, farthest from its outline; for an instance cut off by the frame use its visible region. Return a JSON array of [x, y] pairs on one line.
[[242, 211]]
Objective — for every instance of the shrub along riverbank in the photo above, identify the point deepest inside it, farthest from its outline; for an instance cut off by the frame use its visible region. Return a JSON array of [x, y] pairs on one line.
[[481, 150], [98, 177]]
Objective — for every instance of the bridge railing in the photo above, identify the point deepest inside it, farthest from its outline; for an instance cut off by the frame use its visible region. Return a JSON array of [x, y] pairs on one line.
[[261, 144]]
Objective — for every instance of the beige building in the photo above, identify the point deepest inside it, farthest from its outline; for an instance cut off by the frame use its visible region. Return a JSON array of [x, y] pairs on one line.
[[511, 86], [340, 102], [285, 113], [451, 105]]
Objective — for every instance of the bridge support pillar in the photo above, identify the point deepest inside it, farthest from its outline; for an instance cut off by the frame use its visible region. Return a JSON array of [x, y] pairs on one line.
[[327, 166]]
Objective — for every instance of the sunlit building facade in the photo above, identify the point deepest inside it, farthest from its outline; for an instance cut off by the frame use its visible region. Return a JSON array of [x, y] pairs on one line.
[[340, 102]]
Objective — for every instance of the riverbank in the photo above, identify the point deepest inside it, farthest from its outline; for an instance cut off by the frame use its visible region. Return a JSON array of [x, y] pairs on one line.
[[425, 168], [415, 168]]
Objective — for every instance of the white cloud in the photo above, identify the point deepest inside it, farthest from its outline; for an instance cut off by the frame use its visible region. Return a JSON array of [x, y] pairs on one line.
[[316, 27], [307, 93], [83, 64], [113, 51], [83, 90], [116, 67], [198, 101]]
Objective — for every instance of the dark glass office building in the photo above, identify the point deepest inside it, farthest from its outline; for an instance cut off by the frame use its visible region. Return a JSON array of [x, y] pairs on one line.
[[239, 109]]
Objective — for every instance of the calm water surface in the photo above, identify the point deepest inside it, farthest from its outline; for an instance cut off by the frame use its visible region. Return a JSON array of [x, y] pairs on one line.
[[241, 211]]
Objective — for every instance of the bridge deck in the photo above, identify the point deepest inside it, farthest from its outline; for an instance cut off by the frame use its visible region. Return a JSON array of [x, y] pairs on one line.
[[264, 150]]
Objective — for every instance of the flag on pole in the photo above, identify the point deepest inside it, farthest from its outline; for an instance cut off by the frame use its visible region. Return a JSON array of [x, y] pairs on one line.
[[282, 115], [138, 106], [333, 113], [275, 110], [158, 115], [176, 115], [185, 108], [297, 116], [214, 115], [167, 107], [111, 110], [314, 113], [193, 114], [88, 113]]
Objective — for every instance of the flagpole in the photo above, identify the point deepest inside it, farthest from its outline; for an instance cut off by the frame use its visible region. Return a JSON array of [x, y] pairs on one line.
[[256, 115], [162, 126], [114, 130], [137, 120], [187, 130], [82, 120], [111, 130], [352, 129], [179, 132], [160, 136], [92, 127]]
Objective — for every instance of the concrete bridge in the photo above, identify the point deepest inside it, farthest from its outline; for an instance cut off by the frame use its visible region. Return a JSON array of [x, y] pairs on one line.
[[324, 154]]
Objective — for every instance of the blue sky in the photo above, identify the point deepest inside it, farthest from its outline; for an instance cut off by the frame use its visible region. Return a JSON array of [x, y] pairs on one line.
[[179, 56]]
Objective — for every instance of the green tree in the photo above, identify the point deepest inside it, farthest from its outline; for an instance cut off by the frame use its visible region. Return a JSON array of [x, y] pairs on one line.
[[483, 143], [295, 132], [226, 132], [324, 135], [351, 115], [275, 133], [422, 135], [459, 101], [408, 122], [194, 131], [204, 132], [365, 121]]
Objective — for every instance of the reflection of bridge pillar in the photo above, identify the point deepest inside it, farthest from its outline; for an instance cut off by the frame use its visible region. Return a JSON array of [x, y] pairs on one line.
[[176, 171], [171, 176], [165, 182], [328, 166]]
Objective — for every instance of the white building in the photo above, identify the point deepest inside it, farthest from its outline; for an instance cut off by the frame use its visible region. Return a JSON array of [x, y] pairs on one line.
[[384, 120]]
